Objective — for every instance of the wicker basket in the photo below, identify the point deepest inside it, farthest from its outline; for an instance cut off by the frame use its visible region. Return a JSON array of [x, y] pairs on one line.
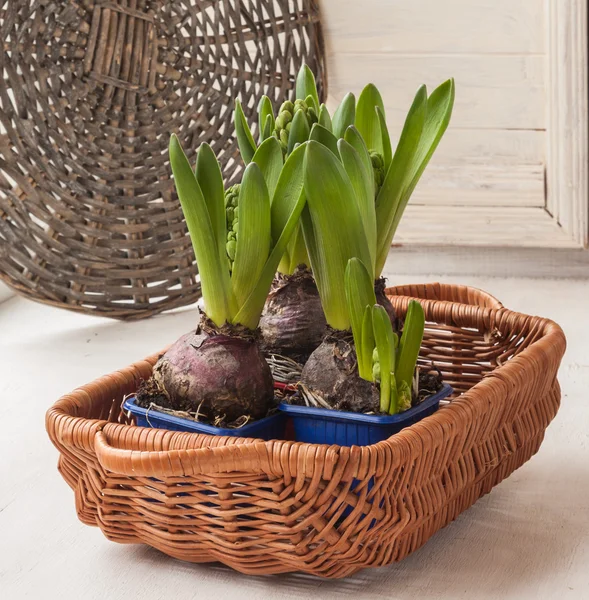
[[273, 507], [90, 93]]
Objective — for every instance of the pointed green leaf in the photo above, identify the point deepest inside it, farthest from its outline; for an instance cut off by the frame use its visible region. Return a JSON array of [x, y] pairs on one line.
[[269, 158], [353, 137], [268, 127], [297, 251], [410, 343], [392, 188], [245, 139], [363, 184], [383, 336], [367, 121], [367, 344], [338, 232], [210, 179], [299, 131], [265, 115], [324, 136], [394, 404], [253, 233], [359, 289], [325, 118], [305, 85], [214, 276], [344, 115], [425, 125], [310, 102], [404, 394], [288, 190], [287, 205], [387, 151]]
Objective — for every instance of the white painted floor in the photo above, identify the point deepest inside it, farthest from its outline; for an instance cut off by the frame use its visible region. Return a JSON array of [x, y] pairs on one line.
[[528, 539]]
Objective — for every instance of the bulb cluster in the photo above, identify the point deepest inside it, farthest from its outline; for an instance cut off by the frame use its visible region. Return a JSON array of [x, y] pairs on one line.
[[285, 117]]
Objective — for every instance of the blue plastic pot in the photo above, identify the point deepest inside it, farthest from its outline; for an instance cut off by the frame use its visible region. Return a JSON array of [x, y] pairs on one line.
[[325, 426], [270, 428]]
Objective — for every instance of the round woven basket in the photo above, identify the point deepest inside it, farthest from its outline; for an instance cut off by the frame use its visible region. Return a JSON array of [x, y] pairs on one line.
[[90, 93]]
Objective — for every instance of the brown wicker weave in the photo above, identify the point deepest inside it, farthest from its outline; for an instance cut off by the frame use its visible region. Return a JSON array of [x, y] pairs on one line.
[[90, 93], [272, 507]]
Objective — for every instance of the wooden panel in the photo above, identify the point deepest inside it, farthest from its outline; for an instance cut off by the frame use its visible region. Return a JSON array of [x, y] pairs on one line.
[[427, 263], [481, 226], [499, 146], [485, 167], [568, 160], [492, 91], [474, 184], [448, 26]]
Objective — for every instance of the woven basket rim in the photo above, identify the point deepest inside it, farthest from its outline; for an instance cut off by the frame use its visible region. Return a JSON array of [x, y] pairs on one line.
[[166, 453]]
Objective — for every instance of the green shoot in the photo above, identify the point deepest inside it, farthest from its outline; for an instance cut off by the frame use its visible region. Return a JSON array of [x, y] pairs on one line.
[[359, 286], [385, 345], [344, 115], [265, 118], [381, 358], [245, 139], [333, 229], [410, 343], [305, 86], [266, 223]]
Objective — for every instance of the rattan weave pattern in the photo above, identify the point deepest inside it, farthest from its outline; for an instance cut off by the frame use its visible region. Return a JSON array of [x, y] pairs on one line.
[[90, 92], [279, 506]]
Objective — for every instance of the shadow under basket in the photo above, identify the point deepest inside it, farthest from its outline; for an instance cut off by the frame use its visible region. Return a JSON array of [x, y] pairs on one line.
[[269, 428], [326, 426], [281, 506]]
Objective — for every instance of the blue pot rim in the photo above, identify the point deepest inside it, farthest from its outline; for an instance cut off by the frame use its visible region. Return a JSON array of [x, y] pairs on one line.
[[341, 415], [196, 426]]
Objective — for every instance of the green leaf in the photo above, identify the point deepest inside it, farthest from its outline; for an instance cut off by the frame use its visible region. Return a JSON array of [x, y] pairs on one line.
[[387, 151], [297, 251], [424, 127], [288, 190], [269, 158], [305, 85], [404, 393], [395, 400], [214, 276], [359, 289], [253, 233], [210, 179], [325, 118], [337, 231], [344, 115], [268, 127], [287, 205], [324, 136], [353, 137], [367, 121], [385, 344], [245, 139], [299, 131], [310, 102], [265, 115], [410, 343], [363, 184], [395, 180], [367, 343]]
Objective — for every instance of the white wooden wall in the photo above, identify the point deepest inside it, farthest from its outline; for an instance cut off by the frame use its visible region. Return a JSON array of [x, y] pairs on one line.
[[486, 183]]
